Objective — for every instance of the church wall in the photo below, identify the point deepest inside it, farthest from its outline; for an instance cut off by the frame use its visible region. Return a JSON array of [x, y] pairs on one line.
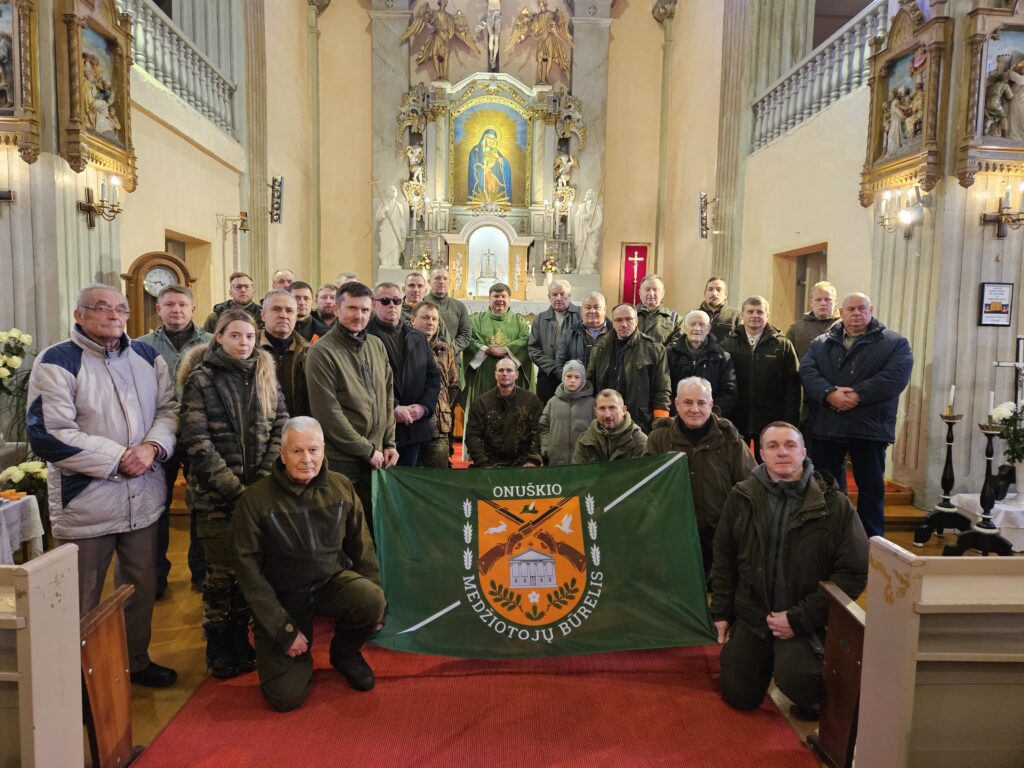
[[692, 149], [802, 190], [289, 136], [631, 161], [345, 109]]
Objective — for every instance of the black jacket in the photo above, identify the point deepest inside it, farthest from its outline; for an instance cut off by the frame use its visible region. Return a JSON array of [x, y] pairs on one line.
[[767, 380], [577, 344], [311, 327], [723, 322], [709, 361], [646, 391], [416, 381], [877, 366], [824, 541]]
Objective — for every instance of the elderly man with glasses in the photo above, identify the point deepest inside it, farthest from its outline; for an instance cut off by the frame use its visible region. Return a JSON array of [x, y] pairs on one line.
[[101, 412]]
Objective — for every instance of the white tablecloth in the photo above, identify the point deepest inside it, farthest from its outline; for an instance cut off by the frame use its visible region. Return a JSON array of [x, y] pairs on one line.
[[1008, 514], [20, 523]]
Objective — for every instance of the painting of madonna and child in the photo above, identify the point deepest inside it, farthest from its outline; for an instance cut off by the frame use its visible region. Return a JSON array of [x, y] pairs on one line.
[[490, 149]]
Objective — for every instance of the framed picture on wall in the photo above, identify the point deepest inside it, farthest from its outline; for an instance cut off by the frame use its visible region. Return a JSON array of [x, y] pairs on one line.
[[633, 271], [19, 56], [995, 303], [93, 63]]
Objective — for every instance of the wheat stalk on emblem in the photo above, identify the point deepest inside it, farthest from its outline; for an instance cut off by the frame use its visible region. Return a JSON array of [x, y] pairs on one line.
[[467, 508], [590, 504], [467, 559], [592, 528], [467, 532], [595, 554]]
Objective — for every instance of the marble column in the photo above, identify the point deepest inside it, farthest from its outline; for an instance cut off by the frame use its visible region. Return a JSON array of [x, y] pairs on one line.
[[390, 68], [256, 175]]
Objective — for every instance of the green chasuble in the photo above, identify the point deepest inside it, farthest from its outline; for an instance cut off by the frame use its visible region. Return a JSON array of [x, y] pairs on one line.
[[509, 330]]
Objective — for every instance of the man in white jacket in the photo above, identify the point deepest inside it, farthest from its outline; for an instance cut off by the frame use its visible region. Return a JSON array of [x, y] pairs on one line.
[[101, 412]]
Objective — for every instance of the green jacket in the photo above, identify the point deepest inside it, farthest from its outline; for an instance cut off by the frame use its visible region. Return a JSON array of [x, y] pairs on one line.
[[824, 541], [661, 324], [230, 439], [289, 538], [455, 316], [626, 441], [647, 390], [291, 372], [252, 308], [717, 463], [566, 416], [351, 393], [157, 338], [504, 431]]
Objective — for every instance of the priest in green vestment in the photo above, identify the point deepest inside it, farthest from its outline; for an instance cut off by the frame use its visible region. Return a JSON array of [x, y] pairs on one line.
[[497, 333]]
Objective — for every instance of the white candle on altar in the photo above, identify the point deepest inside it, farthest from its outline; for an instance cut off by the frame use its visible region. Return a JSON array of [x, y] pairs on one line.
[[952, 395], [568, 221], [103, 192], [991, 403]]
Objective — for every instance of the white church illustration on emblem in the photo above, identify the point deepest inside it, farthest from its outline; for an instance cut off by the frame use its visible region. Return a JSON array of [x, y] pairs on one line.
[[532, 569]]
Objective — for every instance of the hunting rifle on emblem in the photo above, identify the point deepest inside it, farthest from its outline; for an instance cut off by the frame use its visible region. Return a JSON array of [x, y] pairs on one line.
[[526, 528]]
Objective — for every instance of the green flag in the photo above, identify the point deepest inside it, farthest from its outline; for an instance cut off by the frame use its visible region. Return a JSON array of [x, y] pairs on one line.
[[549, 561]]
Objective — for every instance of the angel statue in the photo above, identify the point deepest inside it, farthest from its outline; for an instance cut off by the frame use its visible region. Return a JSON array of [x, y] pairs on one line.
[[414, 156], [443, 26], [551, 31], [564, 163]]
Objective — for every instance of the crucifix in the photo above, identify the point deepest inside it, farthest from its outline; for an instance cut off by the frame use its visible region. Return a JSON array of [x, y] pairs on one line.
[[984, 534], [636, 259]]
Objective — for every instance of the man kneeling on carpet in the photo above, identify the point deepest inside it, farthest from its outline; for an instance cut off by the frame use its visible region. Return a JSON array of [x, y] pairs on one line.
[[782, 530], [302, 550]]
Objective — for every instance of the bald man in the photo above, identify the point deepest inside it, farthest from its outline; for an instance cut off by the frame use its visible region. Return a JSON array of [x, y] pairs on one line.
[[853, 376]]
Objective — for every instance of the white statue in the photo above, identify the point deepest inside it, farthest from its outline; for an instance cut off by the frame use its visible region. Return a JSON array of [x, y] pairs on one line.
[[392, 226], [586, 228], [564, 163], [490, 25], [414, 155]]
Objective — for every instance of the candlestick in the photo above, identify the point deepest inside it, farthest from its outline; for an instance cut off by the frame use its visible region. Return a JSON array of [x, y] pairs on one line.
[[991, 404]]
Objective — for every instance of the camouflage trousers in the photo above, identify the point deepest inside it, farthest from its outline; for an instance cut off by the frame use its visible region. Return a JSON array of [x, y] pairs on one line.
[[223, 603], [435, 453]]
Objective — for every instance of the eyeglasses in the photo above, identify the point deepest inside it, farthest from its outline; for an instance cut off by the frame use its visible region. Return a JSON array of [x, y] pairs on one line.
[[106, 309], [394, 301]]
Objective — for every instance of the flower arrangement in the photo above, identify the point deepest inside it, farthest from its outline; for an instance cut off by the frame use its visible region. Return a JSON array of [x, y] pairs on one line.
[[550, 264], [423, 262], [1012, 420], [28, 477], [14, 347]]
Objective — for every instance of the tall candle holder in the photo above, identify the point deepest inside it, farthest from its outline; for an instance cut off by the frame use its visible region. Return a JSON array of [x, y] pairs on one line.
[[945, 514], [984, 535]]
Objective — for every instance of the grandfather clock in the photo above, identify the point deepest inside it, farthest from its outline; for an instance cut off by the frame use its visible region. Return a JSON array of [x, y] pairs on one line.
[[147, 275]]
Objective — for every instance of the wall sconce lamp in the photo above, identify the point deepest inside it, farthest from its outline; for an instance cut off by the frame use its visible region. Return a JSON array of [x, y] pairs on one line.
[[276, 199], [7, 196], [704, 217], [104, 208], [1006, 219], [239, 223], [895, 214]]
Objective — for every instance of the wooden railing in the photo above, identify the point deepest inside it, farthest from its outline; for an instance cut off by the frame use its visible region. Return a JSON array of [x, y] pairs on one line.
[[832, 70], [165, 52]]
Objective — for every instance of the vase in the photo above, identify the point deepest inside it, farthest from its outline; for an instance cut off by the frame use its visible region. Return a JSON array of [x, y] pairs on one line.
[[547, 278], [1019, 479]]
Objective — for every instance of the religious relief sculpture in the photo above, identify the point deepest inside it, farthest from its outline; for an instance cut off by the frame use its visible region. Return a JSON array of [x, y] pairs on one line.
[[569, 118], [412, 111], [490, 25], [392, 227], [564, 163], [586, 228], [414, 156], [441, 27], [551, 31], [997, 93]]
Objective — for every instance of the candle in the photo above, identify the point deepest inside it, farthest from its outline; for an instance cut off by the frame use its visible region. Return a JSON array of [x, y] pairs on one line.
[[885, 202], [1020, 188], [952, 395], [116, 198], [991, 404], [1006, 197], [568, 221], [103, 192]]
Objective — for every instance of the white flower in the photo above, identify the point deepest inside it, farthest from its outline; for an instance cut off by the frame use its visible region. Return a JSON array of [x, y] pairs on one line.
[[26, 339], [14, 363], [14, 334], [3, 336], [4, 373], [1003, 411], [43, 473], [5, 476], [533, 597], [16, 476], [31, 466]]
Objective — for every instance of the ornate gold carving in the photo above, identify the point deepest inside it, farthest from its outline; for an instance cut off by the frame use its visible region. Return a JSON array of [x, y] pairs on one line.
[[664, 9], [890, 595], [19, 126], [80, 145], [913, 10], [412, 112]]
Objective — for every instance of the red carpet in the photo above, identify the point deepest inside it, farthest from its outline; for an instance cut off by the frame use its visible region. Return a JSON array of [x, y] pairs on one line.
[[630, 709]]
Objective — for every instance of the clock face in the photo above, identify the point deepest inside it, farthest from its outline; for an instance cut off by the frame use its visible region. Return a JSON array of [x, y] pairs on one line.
[[159, 277]]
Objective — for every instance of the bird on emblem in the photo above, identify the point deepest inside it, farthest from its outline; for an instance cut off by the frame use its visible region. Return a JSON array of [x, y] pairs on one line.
[[498, 528], [566, 525]]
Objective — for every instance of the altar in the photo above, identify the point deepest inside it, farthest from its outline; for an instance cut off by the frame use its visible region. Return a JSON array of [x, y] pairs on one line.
[[475, 168]]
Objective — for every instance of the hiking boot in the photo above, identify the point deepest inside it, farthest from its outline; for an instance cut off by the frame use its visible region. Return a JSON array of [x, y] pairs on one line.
[[356, 671], [244, 653], [809, 714], [221, 657]]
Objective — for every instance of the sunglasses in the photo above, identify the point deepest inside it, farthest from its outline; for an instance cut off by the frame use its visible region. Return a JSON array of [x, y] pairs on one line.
[[393, 301]]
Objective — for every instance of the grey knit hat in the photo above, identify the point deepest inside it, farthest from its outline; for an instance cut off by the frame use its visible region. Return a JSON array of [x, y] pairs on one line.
[[576, 365]]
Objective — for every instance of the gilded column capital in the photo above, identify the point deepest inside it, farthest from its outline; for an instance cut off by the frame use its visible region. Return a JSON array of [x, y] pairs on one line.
[[663, 10]]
